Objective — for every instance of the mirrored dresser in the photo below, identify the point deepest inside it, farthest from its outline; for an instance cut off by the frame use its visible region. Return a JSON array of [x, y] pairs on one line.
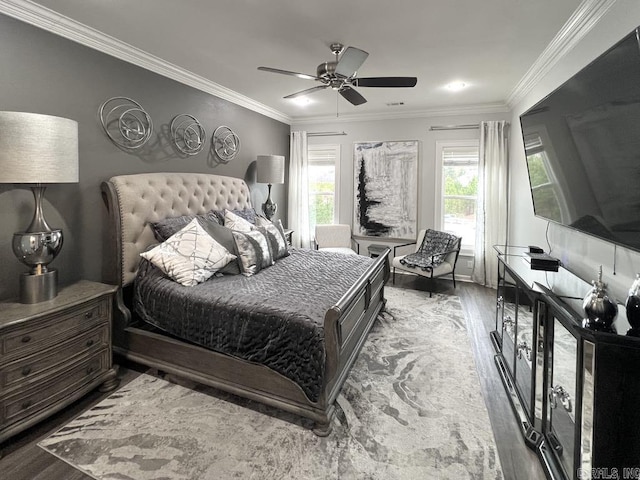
[[575, 392]]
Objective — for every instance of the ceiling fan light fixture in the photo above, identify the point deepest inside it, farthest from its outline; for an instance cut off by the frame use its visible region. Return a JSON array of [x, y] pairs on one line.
[[341, 76]]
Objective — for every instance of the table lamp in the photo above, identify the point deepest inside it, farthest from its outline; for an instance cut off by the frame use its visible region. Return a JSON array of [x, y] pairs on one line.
[[38, 149], [270, 171]]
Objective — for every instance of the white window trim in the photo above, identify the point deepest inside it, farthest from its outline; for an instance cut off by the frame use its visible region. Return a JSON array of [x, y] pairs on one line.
[[336, 151], [439, 200]]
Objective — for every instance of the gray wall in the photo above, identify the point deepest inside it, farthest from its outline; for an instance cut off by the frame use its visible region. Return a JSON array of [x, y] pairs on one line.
[[43, 73]]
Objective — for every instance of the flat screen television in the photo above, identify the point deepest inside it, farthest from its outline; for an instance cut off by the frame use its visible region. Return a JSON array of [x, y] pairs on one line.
[[582, 144]]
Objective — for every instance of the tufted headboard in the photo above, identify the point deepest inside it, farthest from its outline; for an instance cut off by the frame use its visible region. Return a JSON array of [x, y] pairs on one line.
[[135, 201]]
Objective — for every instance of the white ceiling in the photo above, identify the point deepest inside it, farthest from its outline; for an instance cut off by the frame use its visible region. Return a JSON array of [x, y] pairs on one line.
[[488, 44]]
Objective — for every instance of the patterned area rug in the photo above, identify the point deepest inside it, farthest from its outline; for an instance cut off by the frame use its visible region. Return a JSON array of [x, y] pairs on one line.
[[410, 409]]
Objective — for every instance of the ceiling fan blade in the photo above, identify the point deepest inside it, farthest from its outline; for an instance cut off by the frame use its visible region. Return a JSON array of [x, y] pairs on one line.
[[350, 61], [287, 72], [385, 82], [307, 91], [352, 96]]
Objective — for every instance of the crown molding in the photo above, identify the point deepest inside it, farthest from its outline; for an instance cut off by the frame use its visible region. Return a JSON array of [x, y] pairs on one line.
[[46, 19], [586, 16], [479, 109]]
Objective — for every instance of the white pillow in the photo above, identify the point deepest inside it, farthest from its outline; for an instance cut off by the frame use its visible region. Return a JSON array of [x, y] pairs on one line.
[[236, 222], [190, 256]]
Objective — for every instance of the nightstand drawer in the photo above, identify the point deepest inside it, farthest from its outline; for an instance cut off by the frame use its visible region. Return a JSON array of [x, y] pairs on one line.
[[54, 352], [39, 397], [25, 370], [55, 329]]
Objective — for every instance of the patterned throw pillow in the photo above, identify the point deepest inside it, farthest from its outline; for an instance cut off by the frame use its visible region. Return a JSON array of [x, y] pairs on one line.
[[249, 214], [235, 222], [275, 235], [253, 250], [190, 256], [172, 225]]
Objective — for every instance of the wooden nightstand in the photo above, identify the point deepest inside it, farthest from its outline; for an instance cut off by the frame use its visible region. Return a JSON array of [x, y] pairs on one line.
[[53, 353]]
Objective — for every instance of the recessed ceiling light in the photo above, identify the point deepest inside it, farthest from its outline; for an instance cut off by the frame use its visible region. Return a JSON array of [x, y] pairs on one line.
[[302, 101], [456, 86]]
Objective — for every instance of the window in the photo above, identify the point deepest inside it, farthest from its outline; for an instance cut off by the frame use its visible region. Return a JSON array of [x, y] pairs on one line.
[[456, 208], [323, 178], [547, 196]]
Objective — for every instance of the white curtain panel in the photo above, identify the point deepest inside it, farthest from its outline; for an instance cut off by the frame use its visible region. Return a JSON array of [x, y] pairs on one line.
[[298, 207], [493, 201]]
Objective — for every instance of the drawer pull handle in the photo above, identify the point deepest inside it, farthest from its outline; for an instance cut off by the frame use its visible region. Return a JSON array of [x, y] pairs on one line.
[[558, 392], [89, 315], [525, 349], [89, 343], [26, 404], [26, 339], [26, 371]]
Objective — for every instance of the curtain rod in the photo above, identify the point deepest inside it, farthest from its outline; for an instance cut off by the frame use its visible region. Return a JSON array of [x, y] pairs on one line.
[[454, 127], [325, 134]]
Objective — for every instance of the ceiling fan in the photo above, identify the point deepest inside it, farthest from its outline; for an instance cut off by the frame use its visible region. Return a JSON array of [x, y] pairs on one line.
[[341, 75]]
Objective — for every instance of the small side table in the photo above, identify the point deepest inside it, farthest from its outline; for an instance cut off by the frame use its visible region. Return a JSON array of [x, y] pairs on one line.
[[376, 249]]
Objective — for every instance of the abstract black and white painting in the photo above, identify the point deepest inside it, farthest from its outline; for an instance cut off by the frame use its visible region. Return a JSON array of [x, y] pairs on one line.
[[386, 176]]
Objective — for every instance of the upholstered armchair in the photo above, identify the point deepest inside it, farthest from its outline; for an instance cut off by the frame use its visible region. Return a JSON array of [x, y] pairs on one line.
[[436, 254], [335, 238]]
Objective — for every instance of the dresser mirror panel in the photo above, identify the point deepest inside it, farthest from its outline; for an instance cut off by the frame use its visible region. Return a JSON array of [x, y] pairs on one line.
[[497, 333], [509, 322], [588, 393], [540, 332], [524, 349], [561, 430]]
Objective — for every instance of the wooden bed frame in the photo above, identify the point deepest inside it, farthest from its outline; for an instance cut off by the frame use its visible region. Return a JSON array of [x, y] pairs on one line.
[[133, 201]]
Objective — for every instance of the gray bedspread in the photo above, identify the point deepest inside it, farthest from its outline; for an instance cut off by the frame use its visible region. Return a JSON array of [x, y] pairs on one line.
[[274, 318]]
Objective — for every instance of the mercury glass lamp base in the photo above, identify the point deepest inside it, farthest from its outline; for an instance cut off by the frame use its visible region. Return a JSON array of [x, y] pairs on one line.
[[36, 288], [269, 208]]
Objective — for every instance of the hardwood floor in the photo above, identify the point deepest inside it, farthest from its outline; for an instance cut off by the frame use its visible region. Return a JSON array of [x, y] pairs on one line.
[[22, 459]]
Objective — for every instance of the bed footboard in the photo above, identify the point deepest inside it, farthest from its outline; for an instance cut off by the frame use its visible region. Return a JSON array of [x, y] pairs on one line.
[[348, 322]]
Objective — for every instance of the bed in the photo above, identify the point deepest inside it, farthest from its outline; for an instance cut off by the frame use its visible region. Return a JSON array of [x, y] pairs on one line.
[[341, 317]]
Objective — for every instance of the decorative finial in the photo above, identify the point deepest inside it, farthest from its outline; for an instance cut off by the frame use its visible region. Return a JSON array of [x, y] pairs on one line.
[[600, 309], [632, 307]]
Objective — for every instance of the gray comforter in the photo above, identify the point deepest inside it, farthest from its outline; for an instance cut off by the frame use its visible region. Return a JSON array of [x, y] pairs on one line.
[[275, 318]]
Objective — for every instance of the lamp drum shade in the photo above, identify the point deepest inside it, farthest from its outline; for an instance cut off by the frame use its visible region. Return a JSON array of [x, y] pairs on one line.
[[270, 169], [37, 148]]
